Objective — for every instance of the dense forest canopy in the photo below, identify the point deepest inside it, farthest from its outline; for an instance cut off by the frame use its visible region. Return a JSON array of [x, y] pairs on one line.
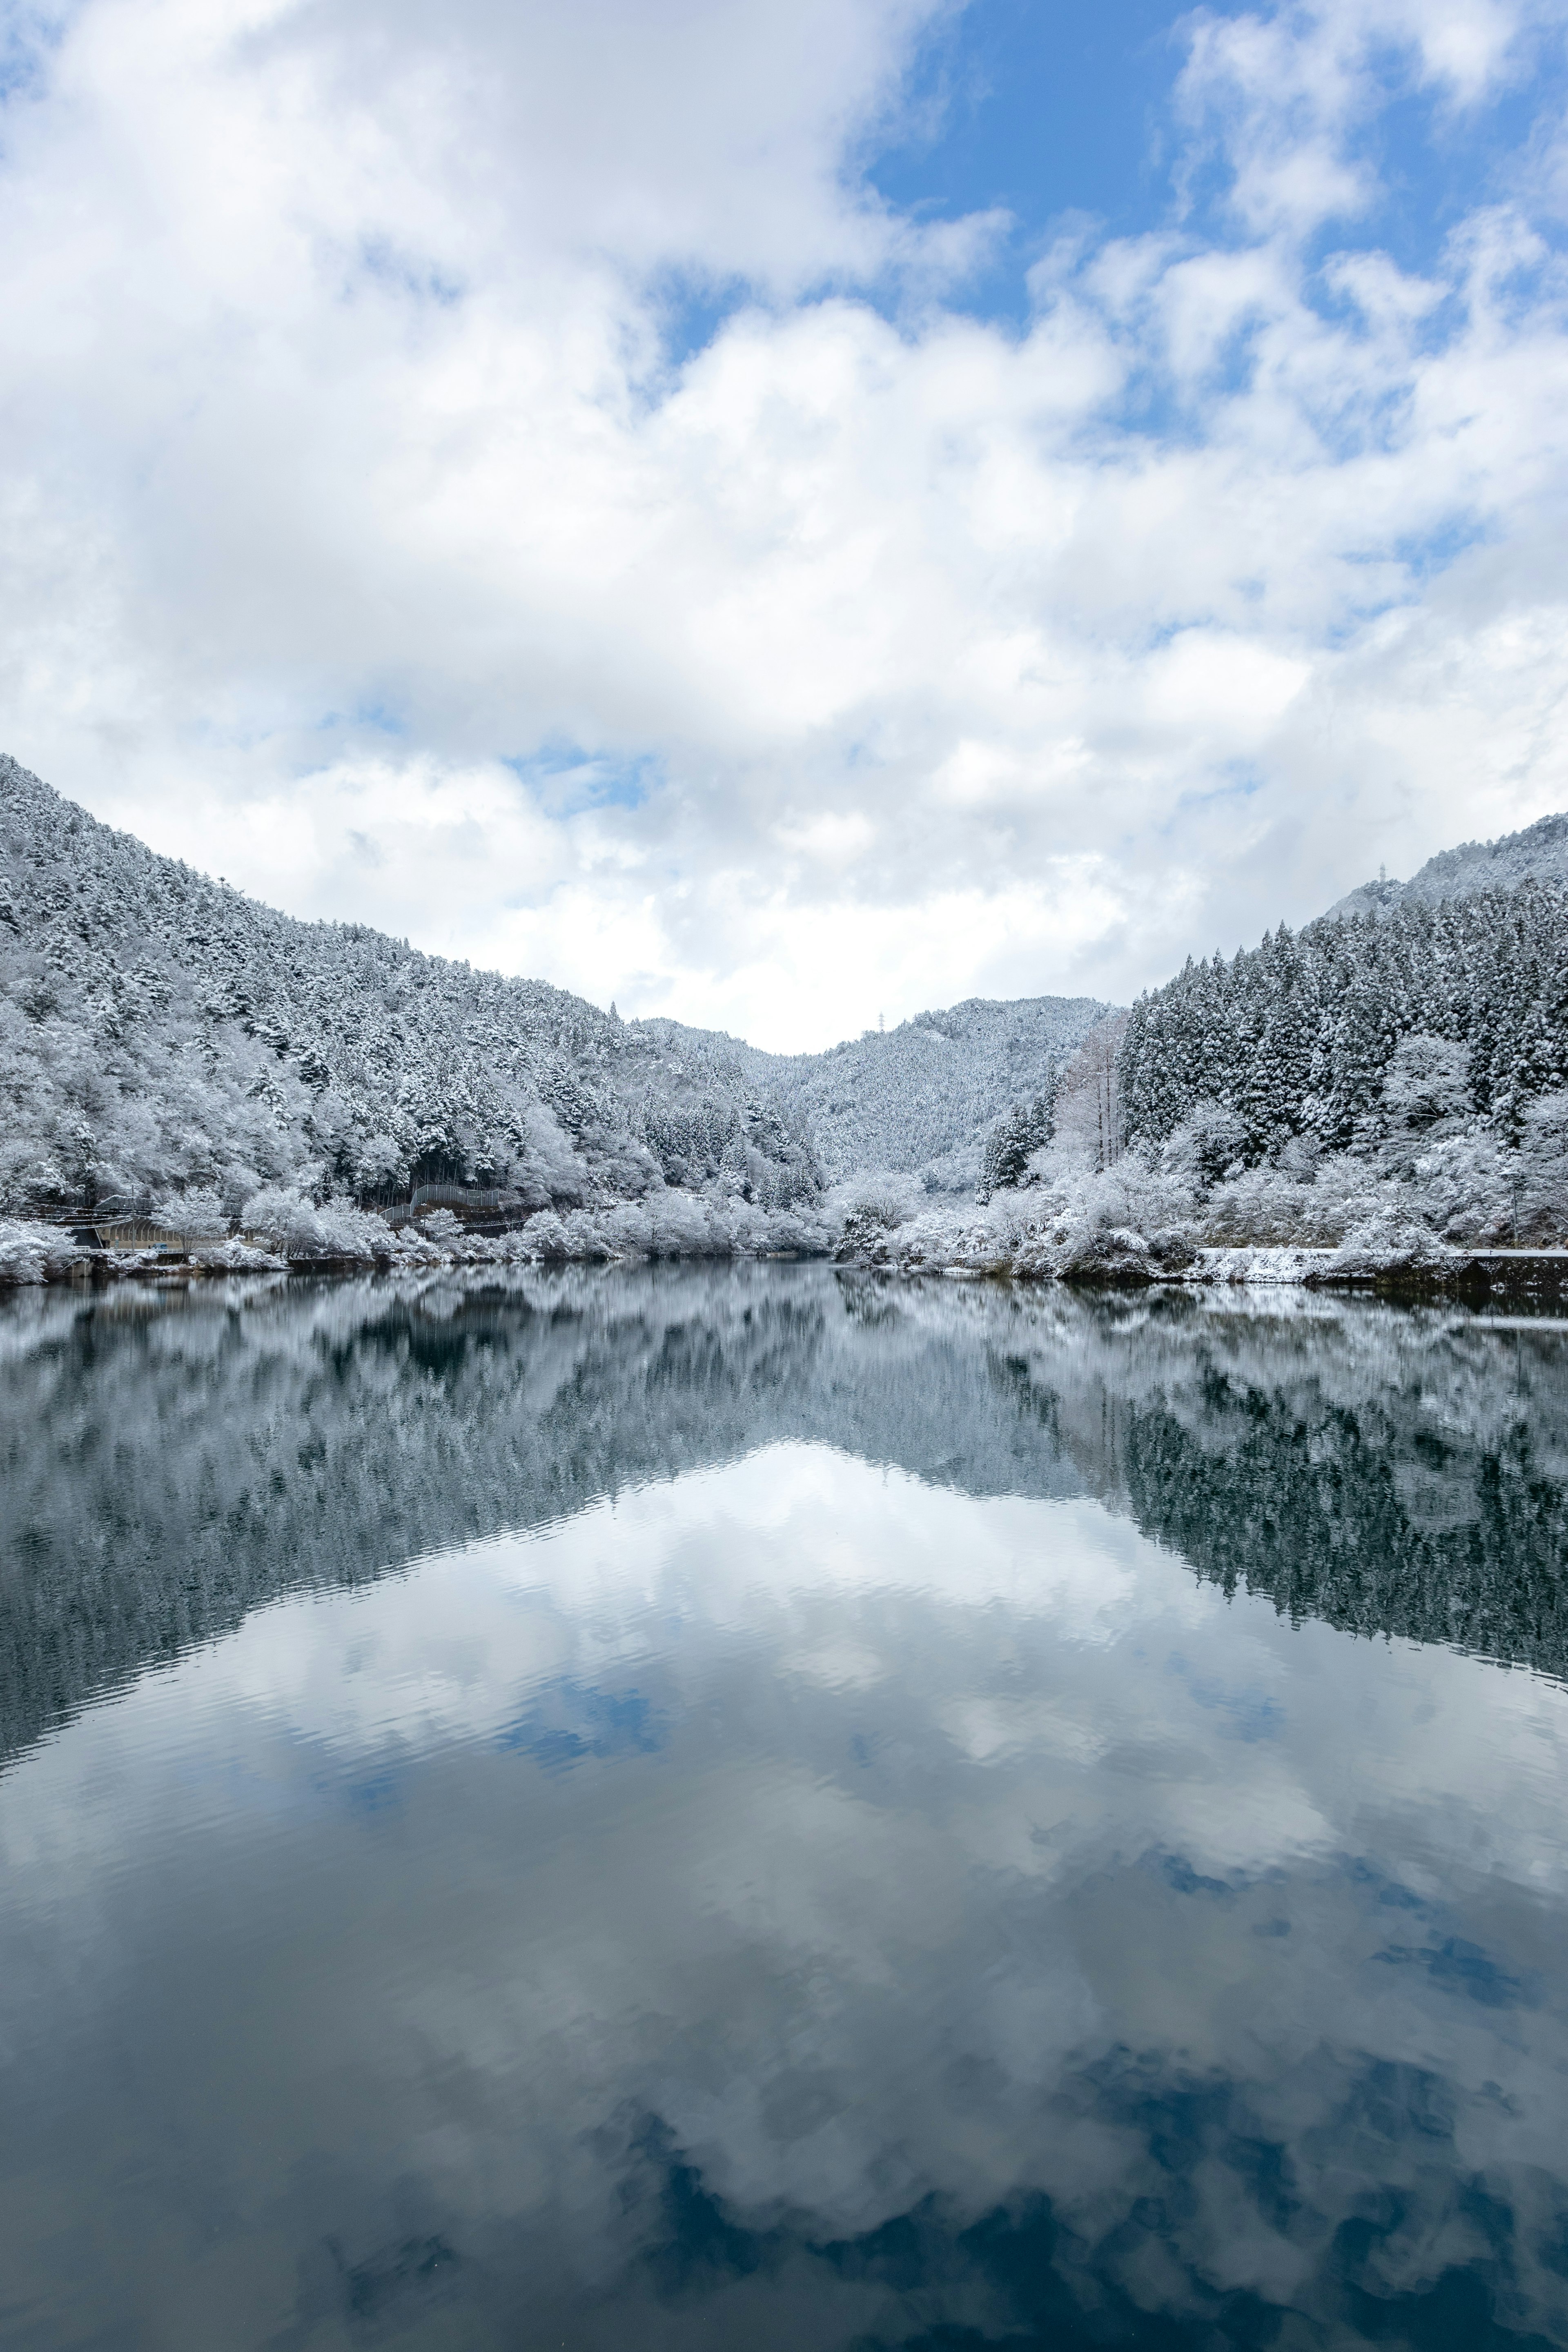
[[158, 1028], [1428, 1012]]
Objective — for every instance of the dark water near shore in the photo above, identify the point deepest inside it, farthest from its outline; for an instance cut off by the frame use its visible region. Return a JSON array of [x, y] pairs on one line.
[[758, 1809]]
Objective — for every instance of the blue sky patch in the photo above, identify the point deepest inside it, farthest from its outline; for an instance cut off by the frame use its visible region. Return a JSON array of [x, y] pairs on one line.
[[566, 779]]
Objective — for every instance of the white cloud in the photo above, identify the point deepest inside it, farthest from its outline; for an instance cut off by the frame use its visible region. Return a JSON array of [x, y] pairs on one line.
[[880, 656], [981, 1919]]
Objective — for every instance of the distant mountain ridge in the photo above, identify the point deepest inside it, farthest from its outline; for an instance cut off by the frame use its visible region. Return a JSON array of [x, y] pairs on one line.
[[919, 1098], [1538, 854]]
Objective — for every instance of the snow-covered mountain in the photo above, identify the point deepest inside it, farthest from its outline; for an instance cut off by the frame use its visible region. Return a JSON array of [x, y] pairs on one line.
[[1538, 853], [918, 1099], [160, 1031], [1419, 1021]]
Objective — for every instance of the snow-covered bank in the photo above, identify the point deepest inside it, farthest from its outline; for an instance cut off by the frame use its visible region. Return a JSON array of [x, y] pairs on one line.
[[280, 1231], [1343, 1224]]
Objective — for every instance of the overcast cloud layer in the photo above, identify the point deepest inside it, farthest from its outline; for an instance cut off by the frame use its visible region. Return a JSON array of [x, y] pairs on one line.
[[503, 474]]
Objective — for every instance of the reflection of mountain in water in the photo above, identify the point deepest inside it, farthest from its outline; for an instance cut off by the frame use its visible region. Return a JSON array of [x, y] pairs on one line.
[[171, 1462]]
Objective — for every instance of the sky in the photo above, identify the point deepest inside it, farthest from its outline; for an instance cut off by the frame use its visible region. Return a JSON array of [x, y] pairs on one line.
[[786, 516]]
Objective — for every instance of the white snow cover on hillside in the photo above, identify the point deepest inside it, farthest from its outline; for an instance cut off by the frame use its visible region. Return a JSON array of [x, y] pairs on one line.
[[161, 1032], [1538, 853], [921, 1098], [1381, 1090]]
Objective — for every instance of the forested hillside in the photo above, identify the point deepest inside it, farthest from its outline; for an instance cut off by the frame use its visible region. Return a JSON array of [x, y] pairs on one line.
[[1385, 1087], [157, 1029], [1414, 1019]]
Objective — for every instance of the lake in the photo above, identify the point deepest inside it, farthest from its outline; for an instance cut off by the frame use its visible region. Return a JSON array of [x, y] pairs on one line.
[[758, 1808]]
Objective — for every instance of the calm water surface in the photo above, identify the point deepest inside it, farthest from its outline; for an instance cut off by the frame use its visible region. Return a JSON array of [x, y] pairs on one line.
[[752, 1809]]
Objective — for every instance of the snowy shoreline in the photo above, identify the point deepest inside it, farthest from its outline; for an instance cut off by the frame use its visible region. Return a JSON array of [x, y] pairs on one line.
[[35, 1253]]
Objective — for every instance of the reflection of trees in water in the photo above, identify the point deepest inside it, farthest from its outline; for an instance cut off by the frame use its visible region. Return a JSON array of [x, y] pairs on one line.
[[1313, 1514], [171, 1462], [1387, 1471]]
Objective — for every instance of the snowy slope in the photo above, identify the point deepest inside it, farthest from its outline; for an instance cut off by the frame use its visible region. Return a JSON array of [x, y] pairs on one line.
[[1417, 1021], [158, 1028], [1538, 853], [921, 1098]]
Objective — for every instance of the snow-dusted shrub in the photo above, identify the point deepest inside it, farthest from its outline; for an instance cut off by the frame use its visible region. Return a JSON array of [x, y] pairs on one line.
[[1543, 1169], [1209, 1140], [926, 1243], [284, 1220], [198, 1211], [951, 1175], [546, 1169], [1022, 1130], [545, 1236], [381, 1164], [880, 1196], [1134, 1193], [744, 1228], [1427, 1082], [670, 1222], [791, 1229], [443, 1228], [24, 1251], [944, 1233], [1106, 1253], [32, 1252], [350, 1232], [1257, 1204], [680, 1226], [864, 1239], [1062, 1220], [236, 1257], [290, 1226], [584, 1234], [1466, 1185], [410, 1248], [1252, 1263], [1394, 1239], [628, 1230], [1343, 1194], [238, 1182]]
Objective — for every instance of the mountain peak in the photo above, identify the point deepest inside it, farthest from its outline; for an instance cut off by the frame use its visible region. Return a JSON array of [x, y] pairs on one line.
[[1538, 854]]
